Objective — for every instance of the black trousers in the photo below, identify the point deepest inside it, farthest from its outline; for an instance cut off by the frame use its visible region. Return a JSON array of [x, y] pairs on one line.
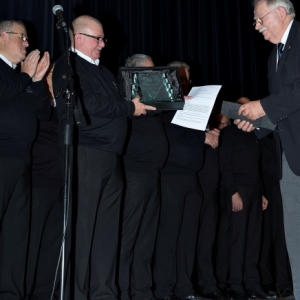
[[97, 188], [206, 241], [14, 227], [209, 181], [274, 258], [177, 235], [139, 227], [46, 230], [222, 241], [244, 241]]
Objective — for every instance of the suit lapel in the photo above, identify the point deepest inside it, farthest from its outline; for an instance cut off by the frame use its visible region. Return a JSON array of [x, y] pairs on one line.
[[285, 54]]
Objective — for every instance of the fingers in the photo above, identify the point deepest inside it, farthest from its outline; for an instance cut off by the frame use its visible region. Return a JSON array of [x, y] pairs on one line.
[[237, 207], [240, 123], [44, 63], [188, 97], [143, 110], [140, 108], [265, 204], [30, 63], [252, 110], [241, 110], [215, 143], [240, 207], [211, 139], [45, 59], [215, 137], [148, 107], [33, 53], [33, 56], [245, 110], [215, 132], [244, 125], [42, 67]]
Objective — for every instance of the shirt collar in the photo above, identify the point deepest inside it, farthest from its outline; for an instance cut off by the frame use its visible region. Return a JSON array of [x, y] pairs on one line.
[[87, 58], [286, 34], [7, 61]]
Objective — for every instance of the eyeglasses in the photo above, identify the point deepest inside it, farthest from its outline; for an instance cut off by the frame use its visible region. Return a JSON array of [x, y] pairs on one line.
[[23, 37], [98, 38], [224, 124], [260, 20]]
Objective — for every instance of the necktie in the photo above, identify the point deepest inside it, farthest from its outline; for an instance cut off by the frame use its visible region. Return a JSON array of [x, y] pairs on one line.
[[280, 50]]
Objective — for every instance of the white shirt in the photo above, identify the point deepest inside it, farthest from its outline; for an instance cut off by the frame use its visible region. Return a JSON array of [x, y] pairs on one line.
[[7, 61], [284, 39], [286, 34], [87, 58]]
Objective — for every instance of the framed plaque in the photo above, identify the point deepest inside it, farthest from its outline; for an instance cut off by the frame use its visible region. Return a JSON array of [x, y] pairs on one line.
[[156, 86]]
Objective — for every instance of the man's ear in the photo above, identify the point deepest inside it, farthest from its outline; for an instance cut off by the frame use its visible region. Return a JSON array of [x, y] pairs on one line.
[[282, 13], [77, 39], [4, 36]]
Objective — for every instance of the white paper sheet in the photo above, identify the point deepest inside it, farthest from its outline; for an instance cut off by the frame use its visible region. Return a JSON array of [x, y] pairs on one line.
[[196, 111]]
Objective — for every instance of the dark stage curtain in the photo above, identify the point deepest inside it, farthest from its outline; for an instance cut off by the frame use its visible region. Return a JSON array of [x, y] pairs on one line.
[[215, 37]]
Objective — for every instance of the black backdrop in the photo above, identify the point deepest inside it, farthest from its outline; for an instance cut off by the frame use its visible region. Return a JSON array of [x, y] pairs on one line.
[[215, 37]]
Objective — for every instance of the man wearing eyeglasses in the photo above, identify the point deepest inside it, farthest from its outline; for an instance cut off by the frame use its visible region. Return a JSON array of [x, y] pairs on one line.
[[23, 99], [103, 114], [275, 21]]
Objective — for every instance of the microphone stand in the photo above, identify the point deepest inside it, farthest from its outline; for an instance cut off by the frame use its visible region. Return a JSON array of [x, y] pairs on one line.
[[70, 99]]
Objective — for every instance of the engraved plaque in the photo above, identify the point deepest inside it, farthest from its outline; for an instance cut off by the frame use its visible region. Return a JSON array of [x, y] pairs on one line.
[[156, 86]]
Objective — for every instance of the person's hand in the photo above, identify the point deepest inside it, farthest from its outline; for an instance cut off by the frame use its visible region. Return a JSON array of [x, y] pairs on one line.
[[243, 100], [237, 202], [42, 67], [212, 138], [215, 132], [140, 108], [244, 125], [29, 65], [252, 110], [265, 203], [188, 97]]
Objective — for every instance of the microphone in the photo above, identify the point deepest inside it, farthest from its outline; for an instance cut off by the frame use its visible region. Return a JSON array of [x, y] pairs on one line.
[[58, 11]]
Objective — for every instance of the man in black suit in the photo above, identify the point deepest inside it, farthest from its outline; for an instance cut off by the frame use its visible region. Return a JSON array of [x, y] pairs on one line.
[[97, 148], [23, 99], [275, 20]]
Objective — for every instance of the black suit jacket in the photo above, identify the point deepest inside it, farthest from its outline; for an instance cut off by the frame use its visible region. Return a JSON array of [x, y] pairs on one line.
[[282, 106], [22, 103]]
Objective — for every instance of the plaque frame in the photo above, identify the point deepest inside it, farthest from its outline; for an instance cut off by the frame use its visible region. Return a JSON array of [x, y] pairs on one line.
[[165, 81]]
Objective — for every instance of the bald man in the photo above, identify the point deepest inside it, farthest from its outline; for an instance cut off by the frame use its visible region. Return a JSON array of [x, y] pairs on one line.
[[98, 146]]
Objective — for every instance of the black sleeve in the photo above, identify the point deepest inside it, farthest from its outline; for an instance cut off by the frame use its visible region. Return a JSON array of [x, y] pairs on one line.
[[225, 160], [100, 105], [262, 132]]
